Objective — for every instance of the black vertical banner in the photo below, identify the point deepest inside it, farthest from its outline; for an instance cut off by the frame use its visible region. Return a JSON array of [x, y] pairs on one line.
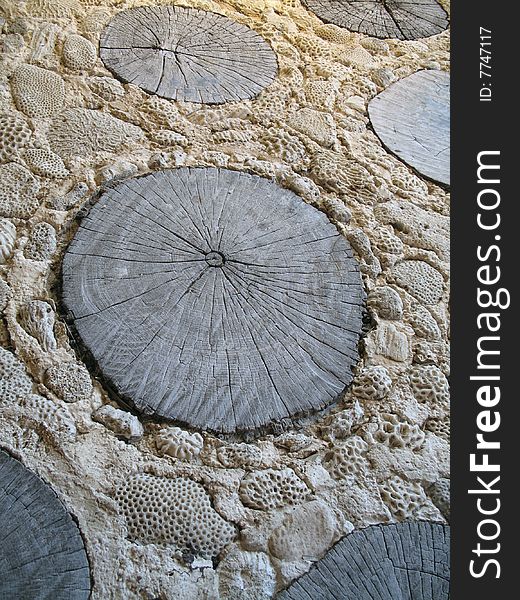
[[485, 359]]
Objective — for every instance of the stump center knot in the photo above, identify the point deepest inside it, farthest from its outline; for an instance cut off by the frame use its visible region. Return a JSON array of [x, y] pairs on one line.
[[215, 259]]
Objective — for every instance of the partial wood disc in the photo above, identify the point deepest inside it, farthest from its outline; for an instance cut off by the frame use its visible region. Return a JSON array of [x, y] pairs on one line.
[[412, 119], [42, 555], [215, 298], [187, 54], [402, 561], [399, 19]]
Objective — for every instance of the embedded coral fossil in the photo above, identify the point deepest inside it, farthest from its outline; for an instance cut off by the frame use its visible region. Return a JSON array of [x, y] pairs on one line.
[[70, 381], [18, 189], [80, 131], [179, 443], [14, 135], [272, 488], [54, 417], [37, 318], [14, 382], [420, 279], [37, 92], [45, 163], [78, 53], [240, 455], [347, 458], [386, 303], [407, 500], [7, 240], [396, 433], [430, 386], [42, 242], [373, 383], [176, 512]]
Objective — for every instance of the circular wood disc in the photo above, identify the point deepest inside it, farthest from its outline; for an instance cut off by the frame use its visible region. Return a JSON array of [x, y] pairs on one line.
[[412, 119], [42, 554], [399, 19], [384, 562], [187, 54], [214, 298]]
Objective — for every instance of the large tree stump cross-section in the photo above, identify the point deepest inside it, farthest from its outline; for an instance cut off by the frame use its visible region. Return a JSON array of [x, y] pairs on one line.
[[187, 54], [214, 298]]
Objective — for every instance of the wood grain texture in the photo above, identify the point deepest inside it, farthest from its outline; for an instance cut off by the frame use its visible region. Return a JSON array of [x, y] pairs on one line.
[[187, 54], [402, 561], [412, 119], [42, 556], [399, 19], [215, 298]]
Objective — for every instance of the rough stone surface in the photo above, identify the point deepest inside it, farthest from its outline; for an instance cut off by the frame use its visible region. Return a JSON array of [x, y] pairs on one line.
[[407, 560], [412, 119], [187, 54], [401, 19], [183, 340], [41, 551]]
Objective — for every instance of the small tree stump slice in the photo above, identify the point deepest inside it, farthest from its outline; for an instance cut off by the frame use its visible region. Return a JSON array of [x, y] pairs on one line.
[[42, 555], [214, 298], [412, 119], [398, 19], [403, 561], [187, 54]]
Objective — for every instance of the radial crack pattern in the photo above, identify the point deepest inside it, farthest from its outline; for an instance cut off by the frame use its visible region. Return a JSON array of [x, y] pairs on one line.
[[385, 562], [412, 119], [399, 19], [42, 554], [187, 54], [214, 298]]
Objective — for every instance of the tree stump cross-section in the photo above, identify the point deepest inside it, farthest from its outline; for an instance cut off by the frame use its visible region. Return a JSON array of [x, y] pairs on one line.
[[412, 119], [187, 54], [42, 555], [214, 298], [385, 19], [401, 561]]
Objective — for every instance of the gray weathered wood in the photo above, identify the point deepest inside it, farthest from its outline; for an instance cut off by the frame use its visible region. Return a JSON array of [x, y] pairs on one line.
[[399, 19], [215, 298], [42, 556], [412, 119], [403, 561], [187, 54]]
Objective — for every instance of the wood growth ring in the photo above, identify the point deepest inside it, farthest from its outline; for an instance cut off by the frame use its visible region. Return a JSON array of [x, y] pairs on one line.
[[187, 54], [385, 19], [214, 298]]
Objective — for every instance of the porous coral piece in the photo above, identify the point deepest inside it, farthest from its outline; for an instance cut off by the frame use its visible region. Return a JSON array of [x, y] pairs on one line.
[[37, 318], [5, 294], [386, 303], [14, 381], [244, 456], [79, 53], [306, 532], [321, 93], [420, 279], [430, 386], [55, 417], [42, 242], [406, 500], [347, 458], [53, 8], [395, 433], [246, 576], [281, 144], [338, 173], [373, 383], [70, 199], [121, 422], [439, 492], [265, 490], [7, 240], [70, 381], [424, 325], [14, 135], [439, 426], [37, 92], [82, 132], [176, 512], [316, 125], [386, 241], [45, 163], [107, 88], [178, 443], [18, 189], [333, 33]]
